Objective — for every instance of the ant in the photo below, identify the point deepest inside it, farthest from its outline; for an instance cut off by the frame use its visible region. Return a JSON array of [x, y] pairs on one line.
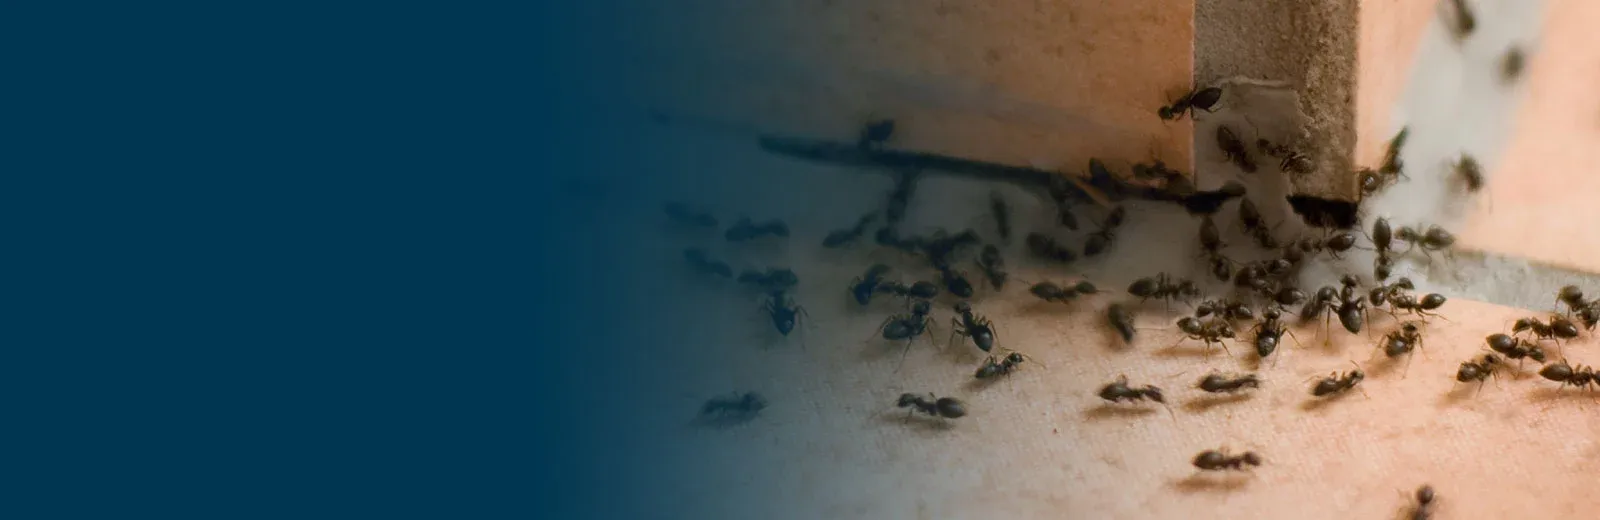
[[1515, 348], [1511, 64], [992, 368], [785, 313], [734, 408], [1256, 226], [1202, 99], [1434, 238], [1568, 375], [1465, 22], [1220, 460], [900, 197], [1334, 244], [1210, 238], [1385, 292], [744, 230], [1233, 149], [945, 407], [683, 214], [703, 263], [1099, 240], [1403, 341], [1118, 391], [1050, 292], [1210, 331], [1392, 165], [1470, 172], [1327, 297], [919, 290], [1269, 332], [1382, 267], [875, 133], [864, 286], [1425, 505], [972, 325], [993, 266], [1292, 161], [1218, 383], [907, 326], [1231, 310], [955, 283], [1047, 248], [1337, 383], [1480, 371], [1002, 215], [1420, 307], [1572, 296], [843, 237], [1382, 236], [1559, 328], [1121, 320], [1160, 286], [1587, 312]]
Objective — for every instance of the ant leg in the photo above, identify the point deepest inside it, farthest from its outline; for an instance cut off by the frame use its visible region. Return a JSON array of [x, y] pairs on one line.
[[1291, 335], [903, 353], [955, 328], [881, 326]]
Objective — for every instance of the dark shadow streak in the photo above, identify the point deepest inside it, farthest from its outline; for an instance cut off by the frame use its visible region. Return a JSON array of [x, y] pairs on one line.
[[1111, 411], [917, 421], [1199, 483], [1318, 403], [1203, 404]]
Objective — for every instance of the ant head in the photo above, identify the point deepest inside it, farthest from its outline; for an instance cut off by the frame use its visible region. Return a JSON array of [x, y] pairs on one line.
[[1272, 314], [1014, 358], [921, 307], [1251, 458], [1349, 280], [1327, 293], [908, 400]]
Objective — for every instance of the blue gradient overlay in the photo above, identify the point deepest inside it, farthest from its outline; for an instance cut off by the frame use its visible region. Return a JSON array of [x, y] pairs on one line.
[[327, 260]]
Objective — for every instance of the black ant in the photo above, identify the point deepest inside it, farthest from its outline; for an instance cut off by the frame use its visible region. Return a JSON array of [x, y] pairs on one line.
[[1050, 292], [1572, 296], [1401, 342], [1478, 370], [683, 214], [1558, 328], [864, 286], [1118, 391], [1231, 310], [993, 266], [1220, 460], [1210, 331], [1586, 312], [703, 263], [1160, 286], [1382, 267], [1217, 383], [1048, 249], [1382, 294], [1256, 226], [1334, 244], [785, 313], [1337, 383], [1392, 166], [744, 230], [1325, 299], [1121, 320], [1002, 215], [875, 133], [1420, 306], [1210, 237], [1470, 172], [1434, 238], [992, 368], [1424, 508], [945, 407], [955, 283], [1382, 236], [907, 326], [1233, 149], [734, 408], [1292, 161], [1099, 240], [918, 290], [973, 325], [1269, 332], [1465, 22], [1515, 348], [1202, 99], [1511, 64], [843, 237], [1568, 375], [900, 198]]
